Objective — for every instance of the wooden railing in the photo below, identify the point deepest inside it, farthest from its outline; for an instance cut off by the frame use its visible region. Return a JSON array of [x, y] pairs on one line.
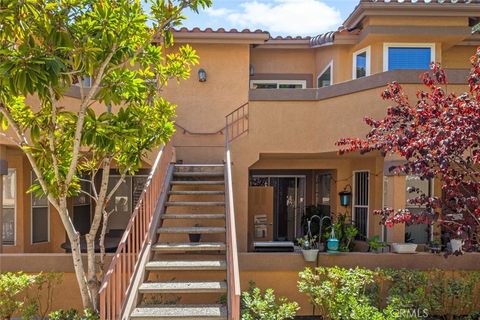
[[233, 272], [117, 283], [237, 122]]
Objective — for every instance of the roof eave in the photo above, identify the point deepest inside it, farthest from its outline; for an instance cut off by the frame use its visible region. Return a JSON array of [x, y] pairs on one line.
[[211, 37]]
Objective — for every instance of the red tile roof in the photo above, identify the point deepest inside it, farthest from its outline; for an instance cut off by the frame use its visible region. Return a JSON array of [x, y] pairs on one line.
[[219, 30]]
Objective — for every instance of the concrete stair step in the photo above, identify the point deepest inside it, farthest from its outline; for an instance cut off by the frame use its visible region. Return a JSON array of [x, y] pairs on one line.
[[196, 165], [180, 312], [199, 182], [195, 203], [194, 230], [189, 246], [197, 193], [196, 174], [183, 287], [185, 265], [194, 216]]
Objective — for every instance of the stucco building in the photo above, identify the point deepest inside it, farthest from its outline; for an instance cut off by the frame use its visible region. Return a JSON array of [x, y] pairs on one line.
[[285, 101]]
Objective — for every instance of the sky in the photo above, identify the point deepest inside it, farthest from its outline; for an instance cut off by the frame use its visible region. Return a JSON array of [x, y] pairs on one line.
[[279, 17]]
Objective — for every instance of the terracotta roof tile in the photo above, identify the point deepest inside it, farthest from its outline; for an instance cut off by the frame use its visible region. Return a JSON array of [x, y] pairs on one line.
[[219, 30]]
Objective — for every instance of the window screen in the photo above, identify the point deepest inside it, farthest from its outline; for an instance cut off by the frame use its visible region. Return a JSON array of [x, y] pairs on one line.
[[39, 217], [325, 79], [409, 58], [9, 195]]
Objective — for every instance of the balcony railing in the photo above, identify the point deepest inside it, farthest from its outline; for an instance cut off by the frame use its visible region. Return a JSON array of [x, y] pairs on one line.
[[118, 280], [233, 273]]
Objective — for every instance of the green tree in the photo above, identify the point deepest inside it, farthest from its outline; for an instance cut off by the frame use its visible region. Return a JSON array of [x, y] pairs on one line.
[[49, 45]]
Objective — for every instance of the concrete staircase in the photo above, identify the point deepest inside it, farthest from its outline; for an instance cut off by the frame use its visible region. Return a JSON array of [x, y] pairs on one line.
[[186, 280]]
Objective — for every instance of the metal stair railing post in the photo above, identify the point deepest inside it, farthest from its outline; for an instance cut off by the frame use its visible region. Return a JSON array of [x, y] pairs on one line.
[[233, 273], [117, 282]]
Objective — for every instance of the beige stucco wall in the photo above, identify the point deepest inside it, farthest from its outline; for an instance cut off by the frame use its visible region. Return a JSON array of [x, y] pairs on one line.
[[283, 60]]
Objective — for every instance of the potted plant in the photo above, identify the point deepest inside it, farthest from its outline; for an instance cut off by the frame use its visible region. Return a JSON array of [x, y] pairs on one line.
[[307, 244], [375, 244], [195, 237], [456, 245], [344, 232]]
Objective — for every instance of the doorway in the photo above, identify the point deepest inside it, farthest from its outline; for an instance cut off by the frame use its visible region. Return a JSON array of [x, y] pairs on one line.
[[288, 203]]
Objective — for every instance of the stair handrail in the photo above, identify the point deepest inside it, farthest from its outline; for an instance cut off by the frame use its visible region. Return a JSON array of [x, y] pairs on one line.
[[233, 271], [117, 282], [237, 122]]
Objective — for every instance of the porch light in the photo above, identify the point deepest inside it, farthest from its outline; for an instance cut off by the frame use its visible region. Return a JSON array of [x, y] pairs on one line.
[[202, 75], [251, 70], [346, 196]]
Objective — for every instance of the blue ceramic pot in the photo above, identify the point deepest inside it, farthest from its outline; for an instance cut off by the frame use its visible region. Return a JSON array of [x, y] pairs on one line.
[[332, 245]]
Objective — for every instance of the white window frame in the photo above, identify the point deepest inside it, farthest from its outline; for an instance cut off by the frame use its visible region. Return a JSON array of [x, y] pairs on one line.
[[31, 217], [14, 211], [368, 50], [303, 83], [362, 206], [329, 65], [422, 45]]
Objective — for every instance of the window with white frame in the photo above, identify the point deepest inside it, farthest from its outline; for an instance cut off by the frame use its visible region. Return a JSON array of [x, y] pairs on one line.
[[325, 78], [278, 84], [416, 56], [86, 82], [9, 207], [361, 63], [40, 216], [361, 195]]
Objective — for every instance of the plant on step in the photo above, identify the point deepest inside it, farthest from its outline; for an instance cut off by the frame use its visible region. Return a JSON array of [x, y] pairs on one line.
[[375, 244], [48, 47], [258, 306], [438, 136], [12, 288]]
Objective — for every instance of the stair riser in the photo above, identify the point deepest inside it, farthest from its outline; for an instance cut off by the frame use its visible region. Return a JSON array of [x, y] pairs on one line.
[[200, 217], [187, 275], [194, 204]]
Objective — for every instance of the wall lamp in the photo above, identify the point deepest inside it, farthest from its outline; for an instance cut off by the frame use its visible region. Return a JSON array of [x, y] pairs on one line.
[[346, 196], [202, 75], [251, 70]]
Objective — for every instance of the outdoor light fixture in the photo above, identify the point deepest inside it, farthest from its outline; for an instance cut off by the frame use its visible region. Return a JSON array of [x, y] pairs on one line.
[[252, 70], [346, 196], [202, 75]]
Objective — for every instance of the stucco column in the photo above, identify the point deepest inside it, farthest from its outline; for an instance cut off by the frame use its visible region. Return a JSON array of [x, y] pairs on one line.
[[3, 171]]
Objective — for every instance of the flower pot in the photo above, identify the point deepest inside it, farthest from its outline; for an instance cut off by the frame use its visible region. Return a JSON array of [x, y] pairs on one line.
[[404, 247], [456, 245], [310, 255]]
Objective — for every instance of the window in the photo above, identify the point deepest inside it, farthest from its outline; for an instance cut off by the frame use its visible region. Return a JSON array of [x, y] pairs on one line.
[[278, 84], [86, 82], [82, 208], [9, 202], [417, 233], [408, 56], [325, 78], [40, 217], [361, 63], [361, 196]]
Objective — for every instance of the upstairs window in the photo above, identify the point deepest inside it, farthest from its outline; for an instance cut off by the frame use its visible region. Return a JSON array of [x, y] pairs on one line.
[[9, 207], [408, 56], [40, 216], [325, 78], [278, 84], [361, 63]]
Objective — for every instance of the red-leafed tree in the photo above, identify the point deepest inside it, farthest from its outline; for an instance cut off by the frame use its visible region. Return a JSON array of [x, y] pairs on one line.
[[438, 136]]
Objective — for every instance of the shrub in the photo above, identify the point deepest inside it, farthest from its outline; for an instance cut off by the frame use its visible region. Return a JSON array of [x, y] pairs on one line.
[[258, 306], [12, 285], [72, 314]]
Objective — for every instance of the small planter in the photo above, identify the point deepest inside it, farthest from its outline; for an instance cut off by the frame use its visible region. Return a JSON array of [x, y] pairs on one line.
[[404, 247], [456, 245], [310, 255]]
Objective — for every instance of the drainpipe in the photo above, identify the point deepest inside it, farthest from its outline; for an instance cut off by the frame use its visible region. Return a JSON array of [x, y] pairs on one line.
[[3, 171]]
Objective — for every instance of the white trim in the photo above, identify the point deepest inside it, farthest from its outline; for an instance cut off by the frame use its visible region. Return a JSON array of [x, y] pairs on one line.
[[329, 65], [361, 206], [31, 216], [354, 59], [303, 83], [387, 45], [14, 210]]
